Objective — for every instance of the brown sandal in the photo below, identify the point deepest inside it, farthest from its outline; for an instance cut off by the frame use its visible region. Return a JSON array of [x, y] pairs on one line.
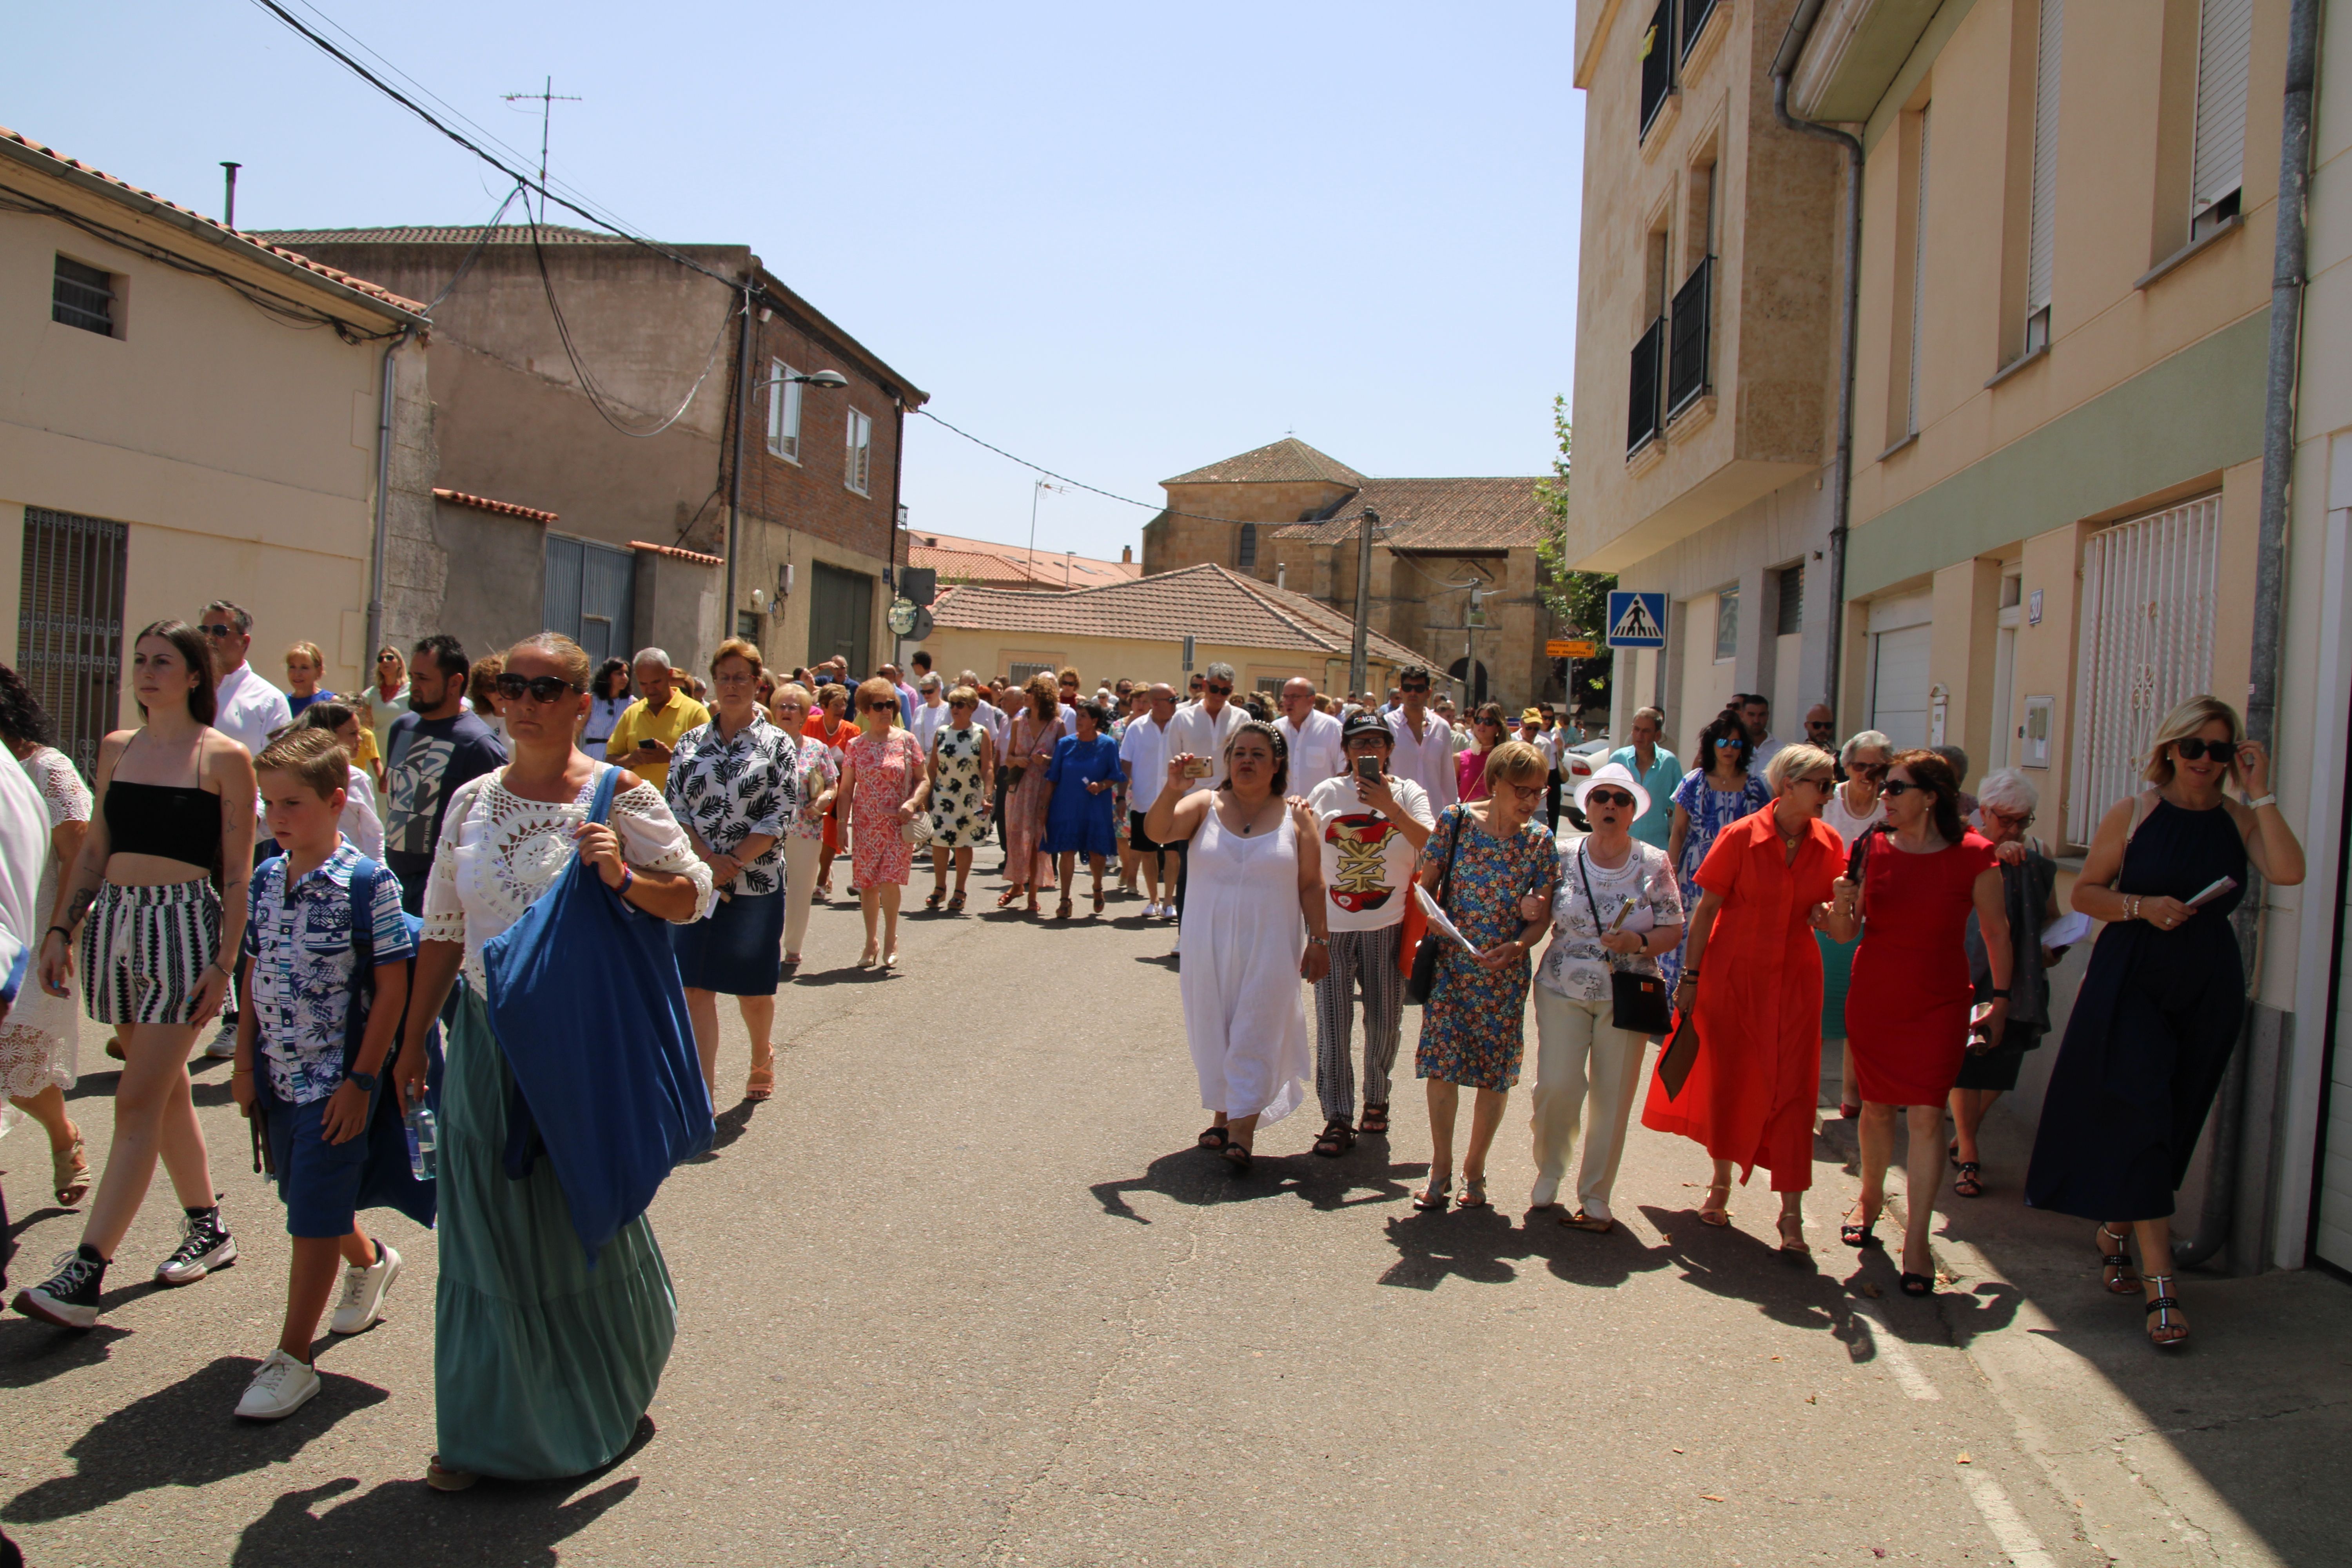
[[1718, 1215], [955, 902], [939, 896], [70, 1171], [762, 1082]]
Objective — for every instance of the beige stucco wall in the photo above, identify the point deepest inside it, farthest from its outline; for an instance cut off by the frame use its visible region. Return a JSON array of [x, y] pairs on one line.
[[239, 452]]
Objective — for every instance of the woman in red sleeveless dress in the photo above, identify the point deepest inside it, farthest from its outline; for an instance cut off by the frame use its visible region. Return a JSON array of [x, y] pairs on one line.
[[1909, 888]]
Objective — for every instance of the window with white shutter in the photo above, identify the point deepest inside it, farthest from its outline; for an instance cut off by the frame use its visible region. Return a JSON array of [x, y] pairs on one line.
[[2041, 232], [2147, 631], [1918, 276], [2224, 41], [857, 470], [783, 411]]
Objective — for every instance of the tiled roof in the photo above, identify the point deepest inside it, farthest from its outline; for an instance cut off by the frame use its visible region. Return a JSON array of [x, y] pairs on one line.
[[484, 503], [978, 560], [1209, 602], [189, 216], [443, 234], [1288, 461], [674, 553], [1437, 514]]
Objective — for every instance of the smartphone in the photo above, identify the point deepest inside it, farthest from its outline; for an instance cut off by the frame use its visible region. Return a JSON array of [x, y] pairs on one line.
[[1369, 769], [1199, 768]]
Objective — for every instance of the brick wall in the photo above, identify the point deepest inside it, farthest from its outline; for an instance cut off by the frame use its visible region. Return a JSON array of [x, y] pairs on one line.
[[810, 496]]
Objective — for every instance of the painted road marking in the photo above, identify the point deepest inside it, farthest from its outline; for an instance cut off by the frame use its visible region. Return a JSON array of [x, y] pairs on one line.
[[1897, 1357], [2008, 1525]]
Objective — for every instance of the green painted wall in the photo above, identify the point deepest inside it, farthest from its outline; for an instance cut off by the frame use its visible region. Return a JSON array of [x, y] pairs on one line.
[[2193, 413]]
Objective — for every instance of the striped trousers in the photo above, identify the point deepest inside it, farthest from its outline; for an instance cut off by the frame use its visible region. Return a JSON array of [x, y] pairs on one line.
[[1365, 962]]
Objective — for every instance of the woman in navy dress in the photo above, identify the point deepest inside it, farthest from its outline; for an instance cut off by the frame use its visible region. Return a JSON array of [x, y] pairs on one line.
[[1078, 802], [2162, 1004]]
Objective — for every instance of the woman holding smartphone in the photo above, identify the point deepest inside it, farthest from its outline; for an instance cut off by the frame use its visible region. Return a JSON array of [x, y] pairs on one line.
[[2159, 1012]]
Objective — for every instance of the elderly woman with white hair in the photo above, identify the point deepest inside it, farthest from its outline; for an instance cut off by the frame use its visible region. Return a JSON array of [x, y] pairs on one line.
[[2029, 882], [1854, 810]]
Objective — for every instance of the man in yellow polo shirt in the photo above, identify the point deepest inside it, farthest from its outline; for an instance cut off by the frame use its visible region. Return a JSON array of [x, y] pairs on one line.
[[646, 737]]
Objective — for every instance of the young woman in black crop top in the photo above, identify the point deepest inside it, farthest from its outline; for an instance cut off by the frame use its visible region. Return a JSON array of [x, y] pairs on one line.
[[138, 915]]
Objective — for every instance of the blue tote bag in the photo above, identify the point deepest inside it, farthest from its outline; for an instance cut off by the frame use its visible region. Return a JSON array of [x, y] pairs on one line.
[[585, 1001]]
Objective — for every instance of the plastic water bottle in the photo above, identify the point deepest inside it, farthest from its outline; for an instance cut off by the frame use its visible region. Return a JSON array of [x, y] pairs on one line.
[[424, 1163]]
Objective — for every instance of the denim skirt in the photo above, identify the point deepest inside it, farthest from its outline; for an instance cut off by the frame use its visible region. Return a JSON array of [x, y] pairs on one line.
[[735, 951]]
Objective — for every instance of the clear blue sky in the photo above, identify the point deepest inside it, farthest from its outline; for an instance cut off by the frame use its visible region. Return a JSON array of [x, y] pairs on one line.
[[1120, 241]]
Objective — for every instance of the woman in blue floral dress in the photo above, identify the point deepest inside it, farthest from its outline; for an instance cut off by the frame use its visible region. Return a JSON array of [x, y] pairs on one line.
[[1711, 798], [1498, 868]]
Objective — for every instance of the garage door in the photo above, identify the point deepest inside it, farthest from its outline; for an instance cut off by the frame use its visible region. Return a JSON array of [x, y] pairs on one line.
[[1898, 685]]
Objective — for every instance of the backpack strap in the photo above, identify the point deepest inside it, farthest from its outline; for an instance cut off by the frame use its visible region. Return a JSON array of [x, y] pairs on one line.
[[607, 785], [362, 894]]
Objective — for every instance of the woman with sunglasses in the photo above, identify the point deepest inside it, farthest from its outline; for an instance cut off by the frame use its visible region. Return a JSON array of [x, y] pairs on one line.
[[733, 787], [882, 781], [1911, 1011], [1713, 795], [1854, 809], [386, 698], [2028, 881], [1493, 867], [962, 768], [818, 774], [2161, 1003], [830, 727], [1751, 981], [1486, 733], [1617, 912]]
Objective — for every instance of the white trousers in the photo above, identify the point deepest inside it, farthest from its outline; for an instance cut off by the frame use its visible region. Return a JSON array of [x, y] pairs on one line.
[[800, 887], [1579, 1053]]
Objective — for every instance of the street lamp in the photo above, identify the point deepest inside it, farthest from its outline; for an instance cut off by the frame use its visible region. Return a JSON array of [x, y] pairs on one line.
[[827, 378]]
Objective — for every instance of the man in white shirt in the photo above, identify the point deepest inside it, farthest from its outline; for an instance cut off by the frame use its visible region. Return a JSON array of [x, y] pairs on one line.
[[1312, 738], [1143, 758], [1202, 729], [929, 713], [1425, 742], [1755, 717], [1373, 830], [248, 711]]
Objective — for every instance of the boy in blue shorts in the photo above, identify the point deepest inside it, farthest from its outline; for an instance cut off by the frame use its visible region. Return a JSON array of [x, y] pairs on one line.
[[294, 1067]]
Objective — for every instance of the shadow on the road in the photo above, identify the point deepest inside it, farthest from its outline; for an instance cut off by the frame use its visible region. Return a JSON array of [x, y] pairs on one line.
[[32, 1352], [1481, 1245], [850, 975], [1166, 960], [95, 1086], [401, 1523], [183, 1436], [1200, 1177], [732, 1123]]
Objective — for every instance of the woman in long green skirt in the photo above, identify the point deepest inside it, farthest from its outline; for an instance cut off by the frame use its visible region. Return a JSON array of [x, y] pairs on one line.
[[543, 1362]]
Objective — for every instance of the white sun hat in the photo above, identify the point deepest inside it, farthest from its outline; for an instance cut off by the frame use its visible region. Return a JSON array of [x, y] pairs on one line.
[[1623, 777]]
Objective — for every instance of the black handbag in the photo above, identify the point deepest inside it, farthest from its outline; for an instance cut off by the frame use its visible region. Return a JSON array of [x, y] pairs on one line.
[[1637, 1002], [1424, 978]]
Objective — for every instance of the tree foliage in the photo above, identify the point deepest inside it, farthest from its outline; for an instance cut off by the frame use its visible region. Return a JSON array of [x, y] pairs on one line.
[[1579, 599]]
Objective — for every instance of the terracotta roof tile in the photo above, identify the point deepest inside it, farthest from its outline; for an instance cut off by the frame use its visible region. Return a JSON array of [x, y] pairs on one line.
[[1209, 602], [674, 553], [358, 285], [1437, 514], [1288, 461], [484, 503], [978, 560], [442, 234]]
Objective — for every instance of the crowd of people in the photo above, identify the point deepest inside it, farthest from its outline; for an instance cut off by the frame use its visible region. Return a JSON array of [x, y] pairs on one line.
[[359, 885]]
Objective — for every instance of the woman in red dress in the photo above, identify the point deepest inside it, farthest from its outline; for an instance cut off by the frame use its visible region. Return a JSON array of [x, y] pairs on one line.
[[1909, 888], [1763, 888]]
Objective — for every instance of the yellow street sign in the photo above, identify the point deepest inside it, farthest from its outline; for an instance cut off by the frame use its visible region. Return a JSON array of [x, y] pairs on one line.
[[1570, 647]]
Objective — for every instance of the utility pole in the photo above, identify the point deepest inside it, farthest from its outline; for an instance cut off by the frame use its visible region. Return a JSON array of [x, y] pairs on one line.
[[228, 214], [1366, 526]]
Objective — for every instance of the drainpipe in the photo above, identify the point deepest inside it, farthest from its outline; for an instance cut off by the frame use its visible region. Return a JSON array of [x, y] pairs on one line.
[[2230, 1133], [382, 505], [1792, 44], [735, 465]]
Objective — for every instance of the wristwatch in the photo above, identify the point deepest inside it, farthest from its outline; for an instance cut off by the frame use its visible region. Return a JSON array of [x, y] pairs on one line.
[[366, 1080]]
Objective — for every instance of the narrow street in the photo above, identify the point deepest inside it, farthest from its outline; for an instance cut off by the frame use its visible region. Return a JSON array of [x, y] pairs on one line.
[[964, 1292]]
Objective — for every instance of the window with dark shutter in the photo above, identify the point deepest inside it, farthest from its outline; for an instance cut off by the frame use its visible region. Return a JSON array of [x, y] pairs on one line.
[[1248, 560], [82, 297], [1791, 617]]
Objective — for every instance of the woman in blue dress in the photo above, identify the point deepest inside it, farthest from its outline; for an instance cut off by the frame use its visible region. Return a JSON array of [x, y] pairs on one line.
[[1081, 783], [1711, 798]]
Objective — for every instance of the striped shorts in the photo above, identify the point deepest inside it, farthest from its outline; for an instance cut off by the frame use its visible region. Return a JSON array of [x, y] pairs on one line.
[[144, 952]]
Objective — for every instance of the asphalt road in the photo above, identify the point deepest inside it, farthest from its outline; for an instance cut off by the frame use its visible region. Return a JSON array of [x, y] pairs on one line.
[[964, 1292]]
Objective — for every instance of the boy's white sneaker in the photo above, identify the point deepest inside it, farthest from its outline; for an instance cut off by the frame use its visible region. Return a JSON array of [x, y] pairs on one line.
[[363, 1291], [280, 1388]]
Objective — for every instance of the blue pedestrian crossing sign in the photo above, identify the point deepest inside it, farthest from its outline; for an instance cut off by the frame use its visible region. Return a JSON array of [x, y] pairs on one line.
[[1636, 619]]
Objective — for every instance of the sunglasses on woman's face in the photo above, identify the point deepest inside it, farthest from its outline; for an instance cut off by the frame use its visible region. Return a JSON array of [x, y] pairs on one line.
[[1868, 769], [1821, 781], [538, 688], [961, 702], [2196, 749], [1607, 797], [1897, 788], [1729, 743]]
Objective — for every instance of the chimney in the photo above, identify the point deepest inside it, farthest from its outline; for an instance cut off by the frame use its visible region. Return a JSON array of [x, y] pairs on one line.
[[1282, 576], [1127, 554]]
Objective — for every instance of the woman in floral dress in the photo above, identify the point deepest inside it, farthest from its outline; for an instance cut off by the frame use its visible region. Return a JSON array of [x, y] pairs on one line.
[[1498, 868], [36, 1042], [883, 782], [1035, 735], [964, 781], [1711, 798]]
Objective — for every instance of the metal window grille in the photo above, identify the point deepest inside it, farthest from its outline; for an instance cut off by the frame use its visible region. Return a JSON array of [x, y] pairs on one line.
[[1791, 617], [1657, 63], [82, 297], [1726, 624], [2146, 643], [1687, 356], [69, 626], [1021, 671], [1644, 385]]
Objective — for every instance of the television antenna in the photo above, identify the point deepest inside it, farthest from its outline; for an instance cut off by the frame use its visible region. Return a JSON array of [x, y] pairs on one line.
[[547, 99]]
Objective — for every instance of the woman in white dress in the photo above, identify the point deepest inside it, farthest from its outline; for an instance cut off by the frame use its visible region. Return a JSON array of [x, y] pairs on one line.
[[543, 1363], [1254, 927], [36, 1043]]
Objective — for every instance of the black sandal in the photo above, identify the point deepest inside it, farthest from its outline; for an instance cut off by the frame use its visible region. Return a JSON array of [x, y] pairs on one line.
[[1917, 1285], [1375, 1124], [1212, 1137], [939, 896], [2125, 1281], [955, 902], [1859, 1235], [1237, 1160], [1966, 1184], [1336, 1140], [2166, 1306]]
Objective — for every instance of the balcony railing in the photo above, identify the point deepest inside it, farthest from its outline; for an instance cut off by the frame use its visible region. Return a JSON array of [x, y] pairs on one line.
[[1695, 15], [1686, 354], [1642, 421], [1657, 62]]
